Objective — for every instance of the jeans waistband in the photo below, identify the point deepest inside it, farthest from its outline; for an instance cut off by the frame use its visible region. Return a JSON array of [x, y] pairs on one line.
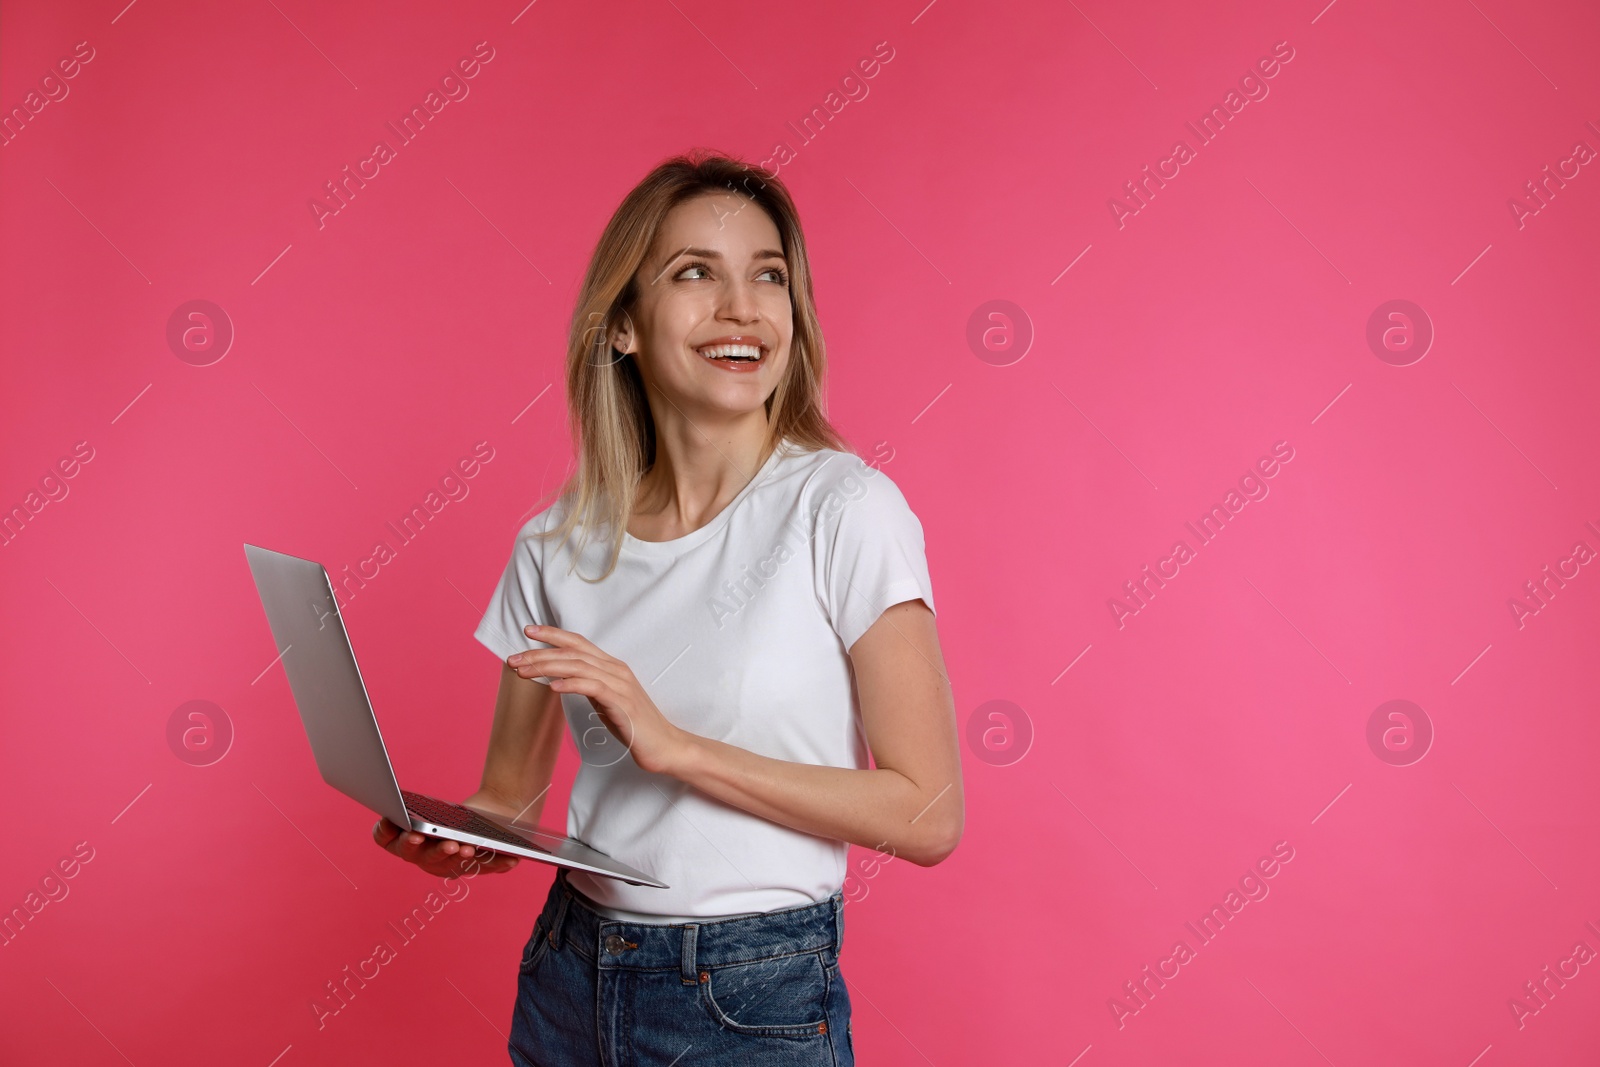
[[569, 922]]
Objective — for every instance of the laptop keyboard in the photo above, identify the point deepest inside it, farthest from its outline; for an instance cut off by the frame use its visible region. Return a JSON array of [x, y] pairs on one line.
[[461, 818]]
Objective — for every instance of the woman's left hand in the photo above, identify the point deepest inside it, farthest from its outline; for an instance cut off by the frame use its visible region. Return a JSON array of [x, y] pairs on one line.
[[577, 665]]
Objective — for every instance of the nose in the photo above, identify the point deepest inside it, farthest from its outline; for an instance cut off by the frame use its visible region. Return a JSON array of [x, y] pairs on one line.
[[738, 302]]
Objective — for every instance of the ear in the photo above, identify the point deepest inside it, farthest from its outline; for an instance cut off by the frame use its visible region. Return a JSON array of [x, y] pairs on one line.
[[622, 335]]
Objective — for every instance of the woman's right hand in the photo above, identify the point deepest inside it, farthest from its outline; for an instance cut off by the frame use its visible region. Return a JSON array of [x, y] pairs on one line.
[[440, 856]]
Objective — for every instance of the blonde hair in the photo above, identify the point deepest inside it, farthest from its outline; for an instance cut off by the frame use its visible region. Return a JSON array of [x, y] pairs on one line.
[[613, 432]]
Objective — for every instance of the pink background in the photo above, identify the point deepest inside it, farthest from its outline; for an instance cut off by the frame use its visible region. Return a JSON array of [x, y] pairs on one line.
[[1229, 313]]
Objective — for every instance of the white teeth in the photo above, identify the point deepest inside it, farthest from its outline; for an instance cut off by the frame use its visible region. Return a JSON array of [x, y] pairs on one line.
[[749, 352]]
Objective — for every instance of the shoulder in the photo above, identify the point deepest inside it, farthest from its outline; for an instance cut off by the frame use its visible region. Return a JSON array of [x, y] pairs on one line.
[[816, 472], [831, 484], [530, 538]]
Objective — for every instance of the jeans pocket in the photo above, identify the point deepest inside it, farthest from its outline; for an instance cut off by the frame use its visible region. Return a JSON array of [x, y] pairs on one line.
[[536, 947], [780, 996]]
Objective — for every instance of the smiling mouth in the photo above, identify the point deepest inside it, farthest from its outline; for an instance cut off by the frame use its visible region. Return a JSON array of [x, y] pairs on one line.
[[739, 353]]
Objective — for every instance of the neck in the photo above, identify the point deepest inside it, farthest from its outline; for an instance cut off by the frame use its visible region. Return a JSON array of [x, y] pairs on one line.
[[697, 473]]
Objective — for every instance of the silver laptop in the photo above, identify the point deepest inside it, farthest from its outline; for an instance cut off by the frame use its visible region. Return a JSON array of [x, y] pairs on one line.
[[339, 721]]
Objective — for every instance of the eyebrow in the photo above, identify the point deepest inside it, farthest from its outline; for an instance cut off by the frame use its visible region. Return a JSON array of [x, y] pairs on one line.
[[710, 253]]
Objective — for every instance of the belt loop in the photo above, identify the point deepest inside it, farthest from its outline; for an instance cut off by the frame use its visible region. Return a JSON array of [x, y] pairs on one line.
[[838, 922], [686, 962], [561, 910]]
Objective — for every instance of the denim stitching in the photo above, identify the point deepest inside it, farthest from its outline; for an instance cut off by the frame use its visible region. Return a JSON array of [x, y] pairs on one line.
[[561, 914], [538, 947], [827, 1007], [806, 1029], [686, 960]]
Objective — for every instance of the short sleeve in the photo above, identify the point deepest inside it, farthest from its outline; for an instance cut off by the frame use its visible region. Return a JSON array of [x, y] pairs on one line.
[[518, 600], [869, 548]]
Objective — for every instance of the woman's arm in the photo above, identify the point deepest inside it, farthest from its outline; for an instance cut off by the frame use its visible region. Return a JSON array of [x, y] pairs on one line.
[[911, 804], [523, 744]]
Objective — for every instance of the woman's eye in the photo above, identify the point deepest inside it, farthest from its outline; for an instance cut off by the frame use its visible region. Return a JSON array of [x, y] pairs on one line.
[[778, 274]]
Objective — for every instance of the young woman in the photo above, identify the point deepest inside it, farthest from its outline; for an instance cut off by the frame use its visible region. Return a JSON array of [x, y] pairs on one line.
[[729, 610]]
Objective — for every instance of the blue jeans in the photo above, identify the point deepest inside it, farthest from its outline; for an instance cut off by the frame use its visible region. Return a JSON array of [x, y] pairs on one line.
[[759, 991]]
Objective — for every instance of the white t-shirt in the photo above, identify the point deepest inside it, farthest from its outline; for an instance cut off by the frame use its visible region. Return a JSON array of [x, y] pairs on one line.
[[738, 631]]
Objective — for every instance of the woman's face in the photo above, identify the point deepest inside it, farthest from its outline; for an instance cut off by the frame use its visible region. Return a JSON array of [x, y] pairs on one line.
[[713, 289]]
